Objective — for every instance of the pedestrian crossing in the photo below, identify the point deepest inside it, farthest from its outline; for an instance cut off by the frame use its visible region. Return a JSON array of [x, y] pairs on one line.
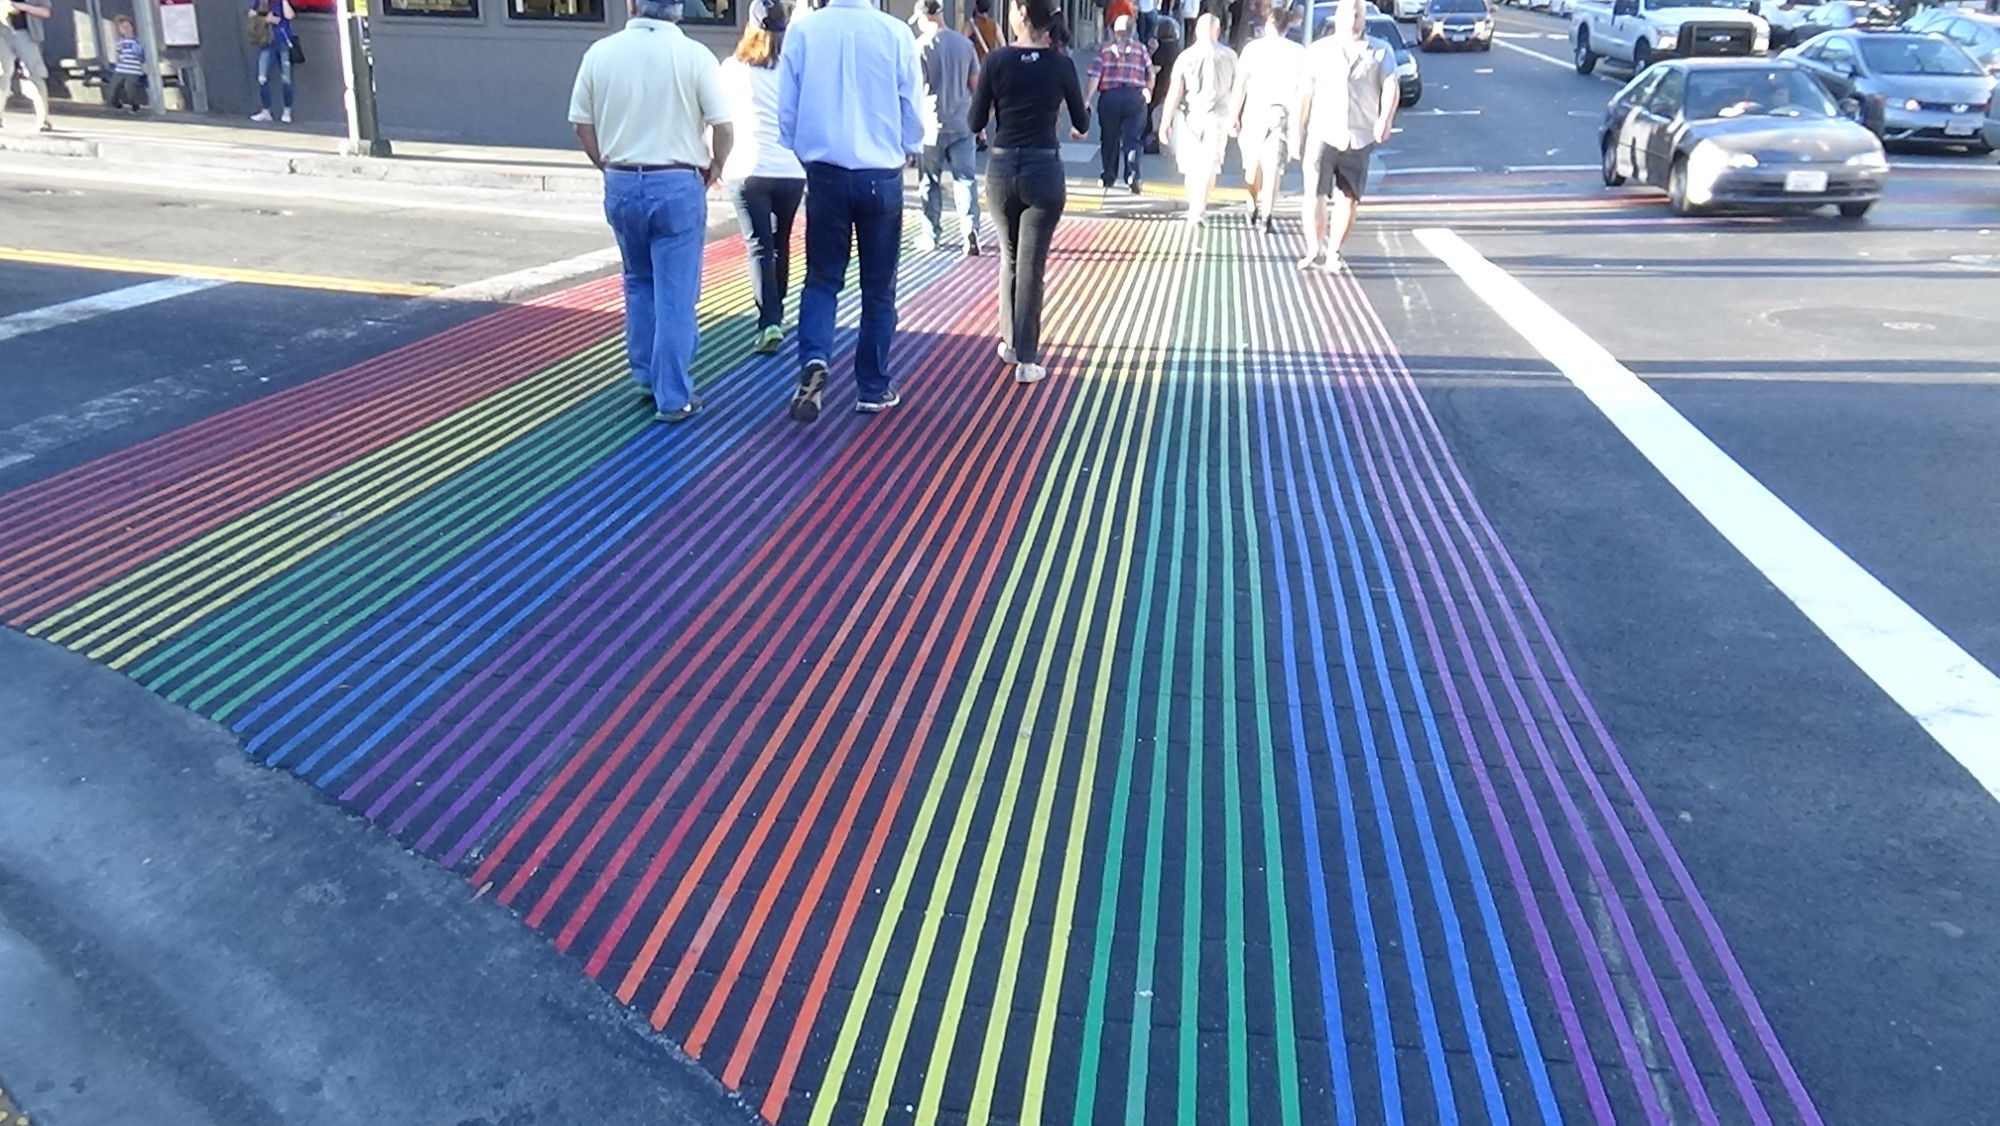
[[1172, 741]]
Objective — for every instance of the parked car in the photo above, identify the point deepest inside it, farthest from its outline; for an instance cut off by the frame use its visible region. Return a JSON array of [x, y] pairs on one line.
[[1920, 88], [1740, 133], [1977, 32], [1409, 10], [1636, 32], [1455, 24], [1785, 18], [1407, 77], [1842, 15]]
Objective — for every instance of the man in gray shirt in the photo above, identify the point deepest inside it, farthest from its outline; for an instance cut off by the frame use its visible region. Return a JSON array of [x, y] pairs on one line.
[[949, 69]]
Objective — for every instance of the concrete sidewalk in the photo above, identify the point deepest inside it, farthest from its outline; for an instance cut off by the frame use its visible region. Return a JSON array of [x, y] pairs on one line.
[[189, 143]]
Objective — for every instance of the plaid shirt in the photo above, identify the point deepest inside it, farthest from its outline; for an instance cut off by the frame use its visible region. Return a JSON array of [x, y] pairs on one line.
[[1122, 64]]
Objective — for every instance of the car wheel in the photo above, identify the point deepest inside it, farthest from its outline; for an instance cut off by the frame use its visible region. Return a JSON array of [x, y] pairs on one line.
[[1642, 57], [1416, 95], [1486, 44], [1677, 187], [1857, 209], [1612, 177], [1586, 59]]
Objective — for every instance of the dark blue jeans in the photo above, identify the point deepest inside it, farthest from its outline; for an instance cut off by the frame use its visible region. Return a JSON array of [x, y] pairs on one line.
[[1121, 123], [766, 206], [852, 210], [659, 220]]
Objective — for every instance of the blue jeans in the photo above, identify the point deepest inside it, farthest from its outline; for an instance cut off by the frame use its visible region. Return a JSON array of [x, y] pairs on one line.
[[660, 220], [766, 207], [852, 209], [956, 156], [274, 56], [1121, 125]]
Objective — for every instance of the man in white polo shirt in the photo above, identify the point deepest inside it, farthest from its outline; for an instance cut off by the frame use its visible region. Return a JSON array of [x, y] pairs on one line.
[[645, 102]]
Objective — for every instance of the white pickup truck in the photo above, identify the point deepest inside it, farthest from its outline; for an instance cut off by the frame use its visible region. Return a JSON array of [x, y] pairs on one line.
[[1635, 32]]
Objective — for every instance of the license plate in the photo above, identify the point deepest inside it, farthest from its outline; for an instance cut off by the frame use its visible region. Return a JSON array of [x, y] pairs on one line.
[[1961, 128], [1457, 34], [1805, 181]]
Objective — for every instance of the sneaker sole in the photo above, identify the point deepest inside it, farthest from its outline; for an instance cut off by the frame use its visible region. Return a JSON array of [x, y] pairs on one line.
[[805, 404], [877, 408]]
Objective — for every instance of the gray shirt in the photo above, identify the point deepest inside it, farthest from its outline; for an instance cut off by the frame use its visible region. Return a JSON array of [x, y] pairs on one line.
[[946, 64], [1208, 75], [1345, 83]]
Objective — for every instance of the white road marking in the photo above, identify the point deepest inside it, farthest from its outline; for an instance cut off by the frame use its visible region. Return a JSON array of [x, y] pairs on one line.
[[1445, 113], [1941, 686], [1566, 64], [506, 287], [1430, 171], [98, 304], [1550, 168], [1970, 164]]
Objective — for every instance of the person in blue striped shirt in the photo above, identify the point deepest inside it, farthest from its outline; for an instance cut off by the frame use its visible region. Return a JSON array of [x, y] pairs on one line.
[[128, 68]]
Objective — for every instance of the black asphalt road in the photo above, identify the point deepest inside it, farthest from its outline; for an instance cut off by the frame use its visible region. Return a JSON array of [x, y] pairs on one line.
[[1851, 368], [1854, 369]]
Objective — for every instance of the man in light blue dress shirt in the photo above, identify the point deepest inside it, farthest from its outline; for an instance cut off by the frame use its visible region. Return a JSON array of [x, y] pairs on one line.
[[847, 106]]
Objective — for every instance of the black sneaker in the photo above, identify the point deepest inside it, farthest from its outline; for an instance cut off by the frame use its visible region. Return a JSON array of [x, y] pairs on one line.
[[972, 246], [805, 401], [680, 415], [878, 402]]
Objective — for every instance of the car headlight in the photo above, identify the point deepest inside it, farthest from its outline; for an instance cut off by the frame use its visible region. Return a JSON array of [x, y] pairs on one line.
[[1873, 159], [1705, 166], [1912, 104], [1482, 27], [1407, 68], [1761, 42], [1668, 40]]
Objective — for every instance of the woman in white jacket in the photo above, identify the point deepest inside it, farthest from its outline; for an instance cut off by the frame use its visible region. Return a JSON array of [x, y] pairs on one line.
[[764, 180]]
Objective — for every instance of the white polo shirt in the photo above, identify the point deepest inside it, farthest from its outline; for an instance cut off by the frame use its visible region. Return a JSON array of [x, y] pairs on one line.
[[651, 92]]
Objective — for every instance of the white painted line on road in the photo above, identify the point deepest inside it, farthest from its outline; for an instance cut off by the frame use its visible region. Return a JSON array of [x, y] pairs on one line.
[[98, 304], [1444, 113], [506, 287], [1947, 691], [1550, 168], [1566, 64], [1434, 170], [1970, 164]]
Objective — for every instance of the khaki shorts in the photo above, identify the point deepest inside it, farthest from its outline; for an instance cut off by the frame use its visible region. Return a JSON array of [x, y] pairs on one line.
[[1199, 142], [16, 43]]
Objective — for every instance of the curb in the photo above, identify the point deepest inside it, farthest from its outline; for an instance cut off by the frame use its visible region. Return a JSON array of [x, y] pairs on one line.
[[386, 170]]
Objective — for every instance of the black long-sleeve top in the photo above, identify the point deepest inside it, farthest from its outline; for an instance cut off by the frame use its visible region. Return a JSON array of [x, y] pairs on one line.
[[1021, 89]]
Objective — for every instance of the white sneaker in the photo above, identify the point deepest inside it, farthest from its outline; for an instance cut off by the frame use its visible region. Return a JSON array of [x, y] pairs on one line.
[[1311, 261], [1334, 263], [1007, 353], [286, 117], [1030, 373], [261, 115]]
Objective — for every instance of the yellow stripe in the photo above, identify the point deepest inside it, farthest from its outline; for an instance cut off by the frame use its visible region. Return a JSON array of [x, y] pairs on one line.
[[215, 273]]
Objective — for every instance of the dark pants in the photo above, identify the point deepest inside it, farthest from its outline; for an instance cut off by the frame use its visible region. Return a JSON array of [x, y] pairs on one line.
[[766, 206], [1025, 192], [1121, 123], [128, 90], [860, 209]]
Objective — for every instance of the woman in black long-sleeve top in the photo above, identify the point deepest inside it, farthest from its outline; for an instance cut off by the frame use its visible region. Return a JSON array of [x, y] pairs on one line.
[[1022, 88]]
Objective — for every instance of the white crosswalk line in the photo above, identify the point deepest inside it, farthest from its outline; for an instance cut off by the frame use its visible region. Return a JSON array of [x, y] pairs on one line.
[[98, 304]]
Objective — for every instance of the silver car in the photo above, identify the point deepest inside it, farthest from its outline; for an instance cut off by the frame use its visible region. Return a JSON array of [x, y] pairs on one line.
[[1917, 88]]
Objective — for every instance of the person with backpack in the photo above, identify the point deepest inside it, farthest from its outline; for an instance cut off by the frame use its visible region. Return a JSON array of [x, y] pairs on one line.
[[271, 33]]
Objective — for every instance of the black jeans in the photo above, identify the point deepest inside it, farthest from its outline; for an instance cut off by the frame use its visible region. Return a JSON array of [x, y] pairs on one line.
[[128, 90], [1121, 124], [766, 207], [1026, 193]]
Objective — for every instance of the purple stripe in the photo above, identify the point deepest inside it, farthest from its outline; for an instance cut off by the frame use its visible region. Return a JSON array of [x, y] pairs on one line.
[[1421, 418]]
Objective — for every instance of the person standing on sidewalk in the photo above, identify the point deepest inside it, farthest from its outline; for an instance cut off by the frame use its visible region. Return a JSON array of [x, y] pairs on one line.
[[646, 100], [1022, 89], [271, 34], [1269, 84], [1120, 75], [1196, 124], [128, 68], [1350, 98], [1161, 32], [847, 106], [18, 46], [950, 69], [763, 179]]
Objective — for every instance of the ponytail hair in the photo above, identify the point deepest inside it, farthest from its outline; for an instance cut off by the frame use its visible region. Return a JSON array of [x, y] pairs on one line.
[[1041, 14]]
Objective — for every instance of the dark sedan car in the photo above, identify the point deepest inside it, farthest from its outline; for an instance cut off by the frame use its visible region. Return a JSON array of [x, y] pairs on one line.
[[1740, 133], [1919, 88], [1407, 78], [1455, 23]]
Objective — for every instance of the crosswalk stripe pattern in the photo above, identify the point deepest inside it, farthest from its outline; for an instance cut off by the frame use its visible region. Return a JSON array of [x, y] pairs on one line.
[[1172, 741]]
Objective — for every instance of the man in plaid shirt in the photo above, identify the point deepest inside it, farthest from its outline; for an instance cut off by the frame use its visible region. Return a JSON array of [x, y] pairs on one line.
[[1120, 77]]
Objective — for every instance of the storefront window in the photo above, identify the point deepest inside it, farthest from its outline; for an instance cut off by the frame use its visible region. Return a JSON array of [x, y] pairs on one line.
[[580, 11], [467, 9], [710, 12]]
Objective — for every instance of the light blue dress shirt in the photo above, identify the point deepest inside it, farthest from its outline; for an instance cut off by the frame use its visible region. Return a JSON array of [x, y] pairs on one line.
[[847, 88]]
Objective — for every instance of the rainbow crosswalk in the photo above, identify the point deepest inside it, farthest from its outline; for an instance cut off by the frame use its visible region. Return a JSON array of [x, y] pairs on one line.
[[1173, 741]]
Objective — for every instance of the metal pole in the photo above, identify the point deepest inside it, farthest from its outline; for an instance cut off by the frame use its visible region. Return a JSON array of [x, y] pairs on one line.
[[147, 14], [364, 134]]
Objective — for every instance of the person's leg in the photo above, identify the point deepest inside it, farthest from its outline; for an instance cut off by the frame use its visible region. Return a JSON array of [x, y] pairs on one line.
[[34, 77], [752, 200], [829, 233], [878, 238], [1043, 200], [1004, 197], [963, 160], [678, 202], [1318, 185], [1351, 180], [629, 227], [267, 60], [1132, 132], [786, 196], [930, 174], [285, 72], [1108, 138]]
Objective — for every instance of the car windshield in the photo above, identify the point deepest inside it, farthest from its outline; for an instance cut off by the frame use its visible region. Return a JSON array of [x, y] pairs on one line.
[[1386, 30], [1458, 7], [1917, 55], [1777, 92]]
